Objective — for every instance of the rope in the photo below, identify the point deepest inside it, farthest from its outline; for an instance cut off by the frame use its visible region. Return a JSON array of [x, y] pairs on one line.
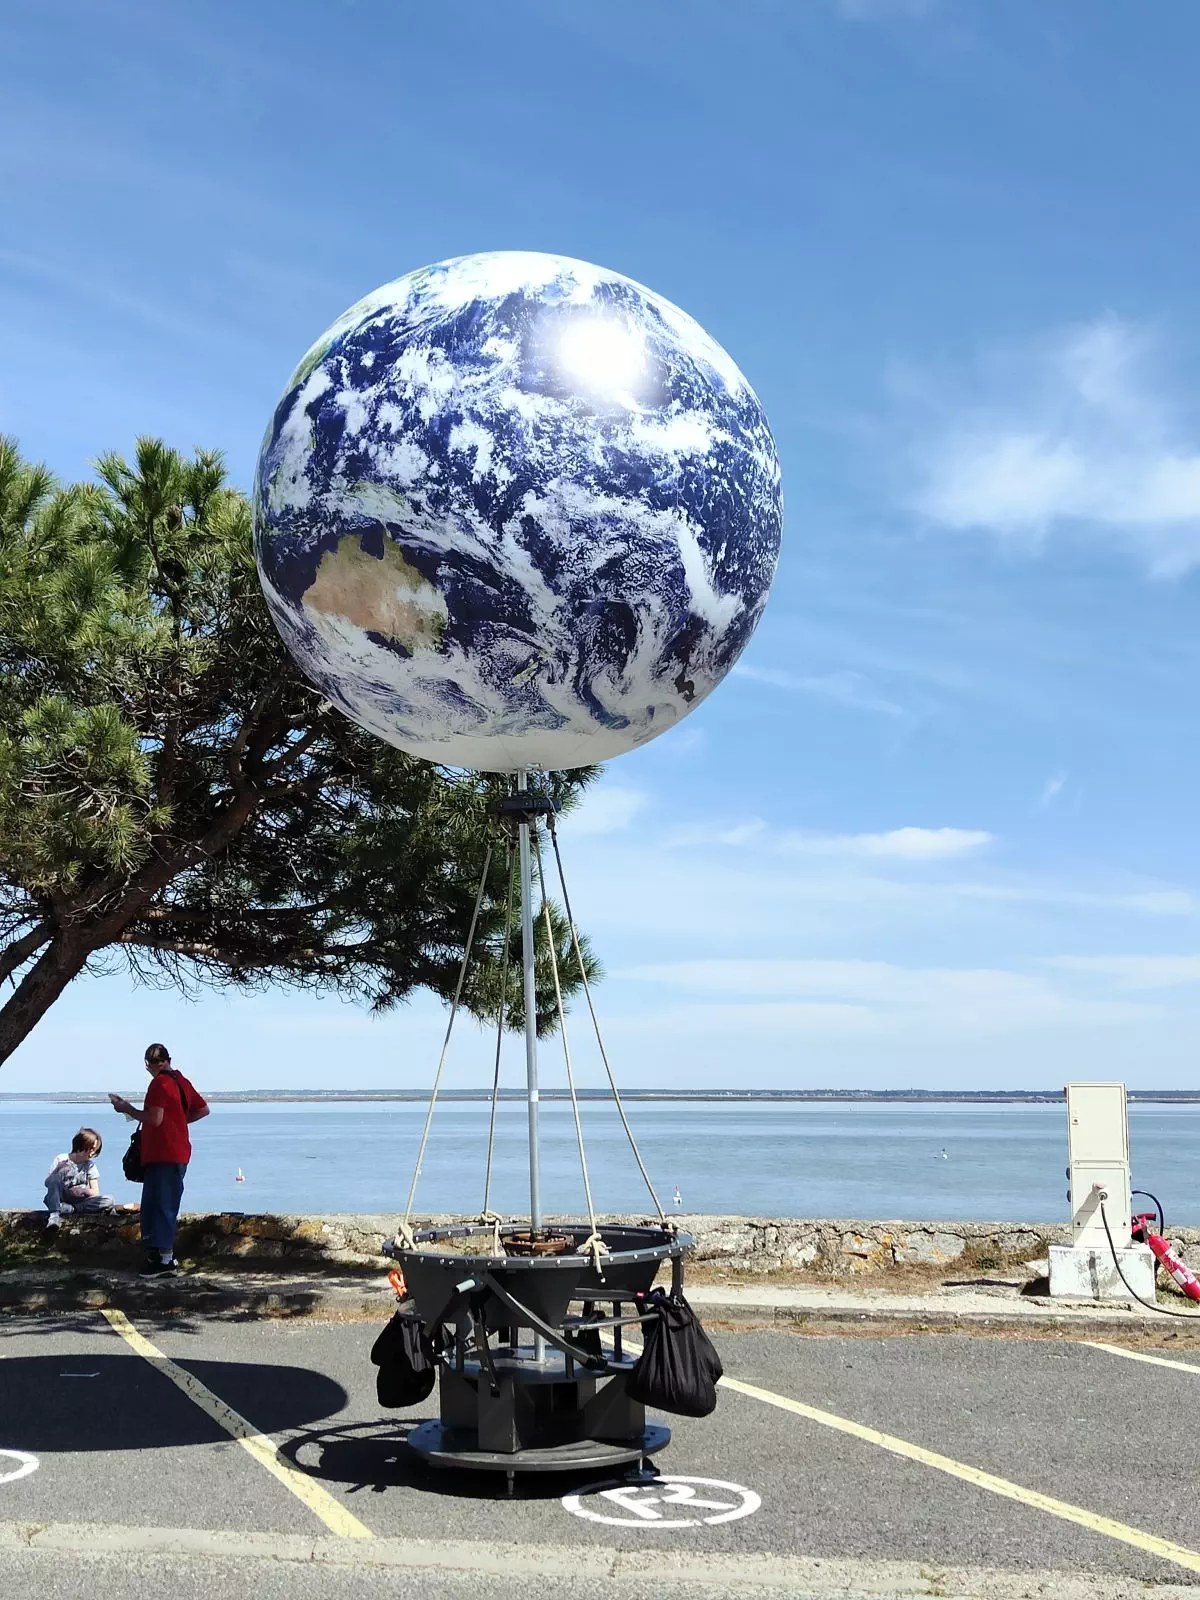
[[612, 1083], [508, 911], [493, 1220], [458, 989], [593, 1243]]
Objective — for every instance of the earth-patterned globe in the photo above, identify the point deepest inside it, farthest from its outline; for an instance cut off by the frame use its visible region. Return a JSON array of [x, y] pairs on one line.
[[516, 510]]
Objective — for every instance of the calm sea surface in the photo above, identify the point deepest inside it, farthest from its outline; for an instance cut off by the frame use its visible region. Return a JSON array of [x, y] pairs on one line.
[[869, 1160]]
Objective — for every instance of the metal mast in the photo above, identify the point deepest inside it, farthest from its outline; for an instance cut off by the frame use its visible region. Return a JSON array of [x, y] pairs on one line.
[[527, 819]]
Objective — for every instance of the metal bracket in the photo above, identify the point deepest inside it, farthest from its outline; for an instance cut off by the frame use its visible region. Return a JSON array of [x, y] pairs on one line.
[[522, 807], [586, 1358]]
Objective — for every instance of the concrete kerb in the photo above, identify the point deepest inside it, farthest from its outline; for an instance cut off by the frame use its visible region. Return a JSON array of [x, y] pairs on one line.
[[625, 1569], [358, 1297]]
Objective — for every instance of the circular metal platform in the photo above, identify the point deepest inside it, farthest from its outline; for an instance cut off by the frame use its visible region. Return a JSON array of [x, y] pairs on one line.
[[449, 1447]]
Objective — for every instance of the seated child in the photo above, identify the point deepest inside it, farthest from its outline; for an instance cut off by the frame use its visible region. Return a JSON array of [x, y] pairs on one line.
[[73, 1182]]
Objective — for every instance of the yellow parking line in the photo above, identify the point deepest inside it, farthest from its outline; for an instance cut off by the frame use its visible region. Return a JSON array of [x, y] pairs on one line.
[[1179, 1554], [1138, 1355], [318, 1500]]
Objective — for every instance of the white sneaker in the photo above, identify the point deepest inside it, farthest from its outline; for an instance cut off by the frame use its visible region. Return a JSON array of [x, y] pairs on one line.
[[53, 1220], [65, 1211]]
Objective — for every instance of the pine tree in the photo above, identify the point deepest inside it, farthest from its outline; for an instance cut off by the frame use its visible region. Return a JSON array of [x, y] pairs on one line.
[[175, 795]]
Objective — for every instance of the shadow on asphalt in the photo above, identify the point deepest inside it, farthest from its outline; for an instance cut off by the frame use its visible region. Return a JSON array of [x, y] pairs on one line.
[[374, 1456], [91, 1402]]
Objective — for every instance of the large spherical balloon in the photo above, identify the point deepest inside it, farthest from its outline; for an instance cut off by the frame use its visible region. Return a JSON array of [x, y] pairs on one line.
[[516, 510]]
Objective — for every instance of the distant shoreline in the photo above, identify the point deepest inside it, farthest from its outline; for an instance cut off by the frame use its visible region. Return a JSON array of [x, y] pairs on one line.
[[876, 1096]]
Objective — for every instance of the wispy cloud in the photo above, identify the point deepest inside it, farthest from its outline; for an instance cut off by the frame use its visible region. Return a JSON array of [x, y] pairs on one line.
[[1051, 790], [857, 996], [898, 844], [1135, 972], [607, 809], [1082, 435], [739, 886], [846, 688]]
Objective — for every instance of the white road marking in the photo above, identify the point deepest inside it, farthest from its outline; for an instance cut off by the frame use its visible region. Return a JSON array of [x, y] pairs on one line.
[[642, 1503], [1140, 1355], [25, 1465], [1124, 1533]]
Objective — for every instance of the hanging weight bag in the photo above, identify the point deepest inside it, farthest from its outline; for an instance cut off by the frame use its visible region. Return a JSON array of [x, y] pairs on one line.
[[407, 1361], [678, 1368]]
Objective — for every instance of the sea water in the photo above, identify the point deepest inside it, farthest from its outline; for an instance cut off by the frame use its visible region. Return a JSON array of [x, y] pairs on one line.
[[865, 1159]]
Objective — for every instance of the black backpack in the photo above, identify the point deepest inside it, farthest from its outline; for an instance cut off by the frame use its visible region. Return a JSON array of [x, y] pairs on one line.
[[678, 1368], [131, 1161], [407, 1360]]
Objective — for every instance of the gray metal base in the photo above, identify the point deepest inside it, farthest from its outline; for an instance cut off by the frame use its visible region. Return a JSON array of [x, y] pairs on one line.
[[458, 1447]]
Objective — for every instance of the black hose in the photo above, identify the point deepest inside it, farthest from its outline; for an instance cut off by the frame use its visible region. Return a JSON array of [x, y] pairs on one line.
[[1188, 1316], [1158, 1210]]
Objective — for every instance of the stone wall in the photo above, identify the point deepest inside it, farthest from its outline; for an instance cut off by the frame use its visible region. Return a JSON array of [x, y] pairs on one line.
[[731, 1244]]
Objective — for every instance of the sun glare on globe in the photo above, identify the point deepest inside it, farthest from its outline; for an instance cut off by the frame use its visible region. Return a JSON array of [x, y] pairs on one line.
[[602, 355]]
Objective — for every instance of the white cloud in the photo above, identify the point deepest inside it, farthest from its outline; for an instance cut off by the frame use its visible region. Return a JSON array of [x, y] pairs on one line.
[[1079, 435], [735, 887], [898, 844], [607, 809], [1051, 790], [817, 996], [1136, 972], [843, 688]]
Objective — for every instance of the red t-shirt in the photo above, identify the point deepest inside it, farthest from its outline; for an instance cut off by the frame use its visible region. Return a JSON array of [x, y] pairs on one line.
[[180, 1102]]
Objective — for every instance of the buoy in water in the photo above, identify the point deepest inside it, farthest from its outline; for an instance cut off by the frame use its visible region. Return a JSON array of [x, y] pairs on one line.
[[239, 1176]]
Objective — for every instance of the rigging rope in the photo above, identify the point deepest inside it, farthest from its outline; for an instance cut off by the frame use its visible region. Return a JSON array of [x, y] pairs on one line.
[[593, 1245], [405, 1231], [486, 1214], [637, 1155]]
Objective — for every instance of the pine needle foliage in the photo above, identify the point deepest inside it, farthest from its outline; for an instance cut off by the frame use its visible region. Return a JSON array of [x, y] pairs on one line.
[[172, 789]]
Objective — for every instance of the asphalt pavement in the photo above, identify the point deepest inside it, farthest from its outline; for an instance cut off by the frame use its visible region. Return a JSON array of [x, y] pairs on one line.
[[935, 1464]]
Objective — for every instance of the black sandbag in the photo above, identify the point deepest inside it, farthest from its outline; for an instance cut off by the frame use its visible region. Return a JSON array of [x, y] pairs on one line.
[[678, 1368], [407, 1361]]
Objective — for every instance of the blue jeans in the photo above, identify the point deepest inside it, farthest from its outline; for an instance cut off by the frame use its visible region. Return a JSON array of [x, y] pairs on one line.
[[162, 1191], [56, 1197]]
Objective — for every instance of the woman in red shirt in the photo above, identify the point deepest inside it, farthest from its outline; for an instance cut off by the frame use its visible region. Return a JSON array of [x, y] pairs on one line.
[[171, 1104]]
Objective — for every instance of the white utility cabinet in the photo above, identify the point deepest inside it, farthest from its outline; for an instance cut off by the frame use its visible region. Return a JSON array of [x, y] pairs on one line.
[[1098, 1162], [1098, 1153]]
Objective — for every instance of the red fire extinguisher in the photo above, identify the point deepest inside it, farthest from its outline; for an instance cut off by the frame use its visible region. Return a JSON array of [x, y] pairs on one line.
[[1164, 1253]]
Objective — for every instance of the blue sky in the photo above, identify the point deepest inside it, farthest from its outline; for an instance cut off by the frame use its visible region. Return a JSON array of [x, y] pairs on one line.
[[939, 826]]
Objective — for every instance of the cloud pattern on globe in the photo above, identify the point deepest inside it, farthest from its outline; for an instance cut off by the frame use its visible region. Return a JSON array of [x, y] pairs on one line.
[[514, 509]]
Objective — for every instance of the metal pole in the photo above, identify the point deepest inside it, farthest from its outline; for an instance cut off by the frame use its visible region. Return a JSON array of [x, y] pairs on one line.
[[531, 1064]]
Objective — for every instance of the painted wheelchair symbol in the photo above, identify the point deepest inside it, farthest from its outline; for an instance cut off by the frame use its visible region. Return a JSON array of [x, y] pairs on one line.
[[659, 1502]]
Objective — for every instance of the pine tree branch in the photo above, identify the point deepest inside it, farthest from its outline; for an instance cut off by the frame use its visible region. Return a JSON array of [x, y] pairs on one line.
[[16, 953]]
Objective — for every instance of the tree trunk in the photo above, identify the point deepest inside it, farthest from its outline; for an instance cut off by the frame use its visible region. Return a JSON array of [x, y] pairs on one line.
[[62, 960]]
